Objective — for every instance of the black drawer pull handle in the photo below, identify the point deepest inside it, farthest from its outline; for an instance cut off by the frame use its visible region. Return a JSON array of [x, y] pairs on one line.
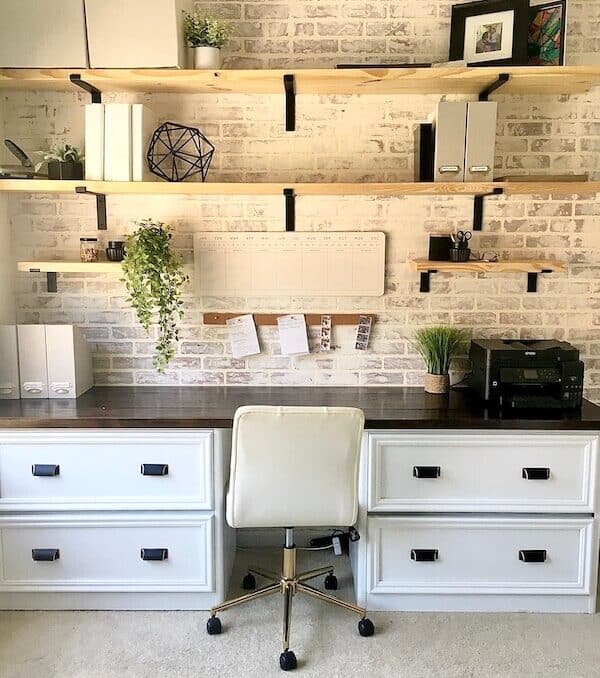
[[154, 554], [530, 473], [45, 470], [424, 555], [45, 555], [155, 469], [426, 471], [533, 555]]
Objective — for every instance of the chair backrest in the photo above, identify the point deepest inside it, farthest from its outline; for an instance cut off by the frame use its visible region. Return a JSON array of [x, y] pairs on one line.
[[294, 466]]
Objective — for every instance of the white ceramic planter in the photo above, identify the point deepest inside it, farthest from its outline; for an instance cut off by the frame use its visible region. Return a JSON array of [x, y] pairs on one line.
[[207, 57]]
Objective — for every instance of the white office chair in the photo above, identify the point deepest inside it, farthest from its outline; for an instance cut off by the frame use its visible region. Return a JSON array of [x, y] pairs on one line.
[[293, 467]]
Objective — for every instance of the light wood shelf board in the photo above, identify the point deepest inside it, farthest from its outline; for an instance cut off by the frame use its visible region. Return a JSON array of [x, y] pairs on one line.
[[276, 188], [512, 266], [69, 266], [524, 80], [312, 319]]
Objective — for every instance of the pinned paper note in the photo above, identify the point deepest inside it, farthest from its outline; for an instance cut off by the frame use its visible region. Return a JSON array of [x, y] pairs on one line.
[[242, 335], [363, 332], [325, 333], [292, 334]]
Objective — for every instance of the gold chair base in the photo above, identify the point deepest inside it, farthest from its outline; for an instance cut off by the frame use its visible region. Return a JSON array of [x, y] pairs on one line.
[[288, 584]]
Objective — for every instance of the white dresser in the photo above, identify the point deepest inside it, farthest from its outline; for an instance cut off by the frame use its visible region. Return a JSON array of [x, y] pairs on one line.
[[489, 521], [114, 519]]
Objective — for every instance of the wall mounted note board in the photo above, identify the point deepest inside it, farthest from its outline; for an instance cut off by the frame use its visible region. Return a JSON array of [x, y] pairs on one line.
[[274, 263]]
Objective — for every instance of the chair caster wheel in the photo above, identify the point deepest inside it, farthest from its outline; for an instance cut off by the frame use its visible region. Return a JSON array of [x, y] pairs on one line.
[[366, 628], [287, 661], [331, 582], [249, 582], [213, 626]]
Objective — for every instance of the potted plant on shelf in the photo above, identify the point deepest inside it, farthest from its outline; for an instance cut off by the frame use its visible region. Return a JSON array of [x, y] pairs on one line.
[[437, 346], [64, 162], [154, 278], [206, 35]]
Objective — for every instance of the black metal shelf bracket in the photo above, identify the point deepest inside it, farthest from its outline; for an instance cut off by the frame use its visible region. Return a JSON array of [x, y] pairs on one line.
[[51, 284], [100, 205], [289, 85], [290, 209], [478, 207], [502, 79], [532, 280], [75, 78], [426, 279]]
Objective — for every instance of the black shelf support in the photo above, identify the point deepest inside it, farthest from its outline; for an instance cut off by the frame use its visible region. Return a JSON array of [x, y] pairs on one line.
[[75, 78], [289, 85], [532, 280], [290, 209], [51, 284], [503, 78], [426, 279], [100, 205], [478, 207]]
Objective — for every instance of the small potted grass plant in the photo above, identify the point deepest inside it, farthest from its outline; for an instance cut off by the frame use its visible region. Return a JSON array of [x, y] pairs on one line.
[[206, 35], [437, 346], [64, 162]]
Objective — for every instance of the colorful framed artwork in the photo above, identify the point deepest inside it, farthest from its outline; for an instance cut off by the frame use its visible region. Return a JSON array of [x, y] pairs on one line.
[[547, 29], [490, 33]]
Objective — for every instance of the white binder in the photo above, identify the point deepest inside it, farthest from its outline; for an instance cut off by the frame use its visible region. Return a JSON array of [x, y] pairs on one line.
[[450, 134], [32, 361], [481, 140], [9, 363], [69, 362], [117, 142], [94, 142]]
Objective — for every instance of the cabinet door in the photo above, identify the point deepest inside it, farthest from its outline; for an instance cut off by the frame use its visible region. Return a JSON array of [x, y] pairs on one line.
[[93, 469], [156, 552], [522, 473], [480, 555]]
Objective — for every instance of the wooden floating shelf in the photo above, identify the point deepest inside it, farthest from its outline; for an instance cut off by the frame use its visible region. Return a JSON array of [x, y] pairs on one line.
[[300, 189], [69, 267], [271, 318], [512, 266], [463, 80]]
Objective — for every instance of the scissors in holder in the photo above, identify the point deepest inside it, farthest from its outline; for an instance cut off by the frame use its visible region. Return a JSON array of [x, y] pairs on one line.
[[461, 239]]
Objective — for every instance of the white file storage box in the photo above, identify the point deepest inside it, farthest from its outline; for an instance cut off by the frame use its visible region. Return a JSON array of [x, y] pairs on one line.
[[69, 362], [136, 33], [42, 34], [32, 361], [9, 363], [450, 133]]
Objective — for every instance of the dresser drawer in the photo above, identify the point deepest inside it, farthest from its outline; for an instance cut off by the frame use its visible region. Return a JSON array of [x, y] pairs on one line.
[[482, 472], [98, 554], [480, 555], [93, 469]]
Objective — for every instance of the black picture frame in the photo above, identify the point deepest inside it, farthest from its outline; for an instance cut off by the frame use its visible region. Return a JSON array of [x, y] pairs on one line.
[[460, 13], [534, 10]]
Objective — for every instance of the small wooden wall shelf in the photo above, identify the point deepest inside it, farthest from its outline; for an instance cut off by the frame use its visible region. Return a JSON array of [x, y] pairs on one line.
[[271, 318], [299, 189], [462, 80], [532, 267], [51, 268]]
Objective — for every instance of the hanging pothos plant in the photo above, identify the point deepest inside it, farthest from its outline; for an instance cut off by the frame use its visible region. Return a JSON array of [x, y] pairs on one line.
[[154, 277]]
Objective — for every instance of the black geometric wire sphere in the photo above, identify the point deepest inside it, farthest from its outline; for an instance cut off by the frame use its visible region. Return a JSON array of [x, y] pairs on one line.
[[177, 152]]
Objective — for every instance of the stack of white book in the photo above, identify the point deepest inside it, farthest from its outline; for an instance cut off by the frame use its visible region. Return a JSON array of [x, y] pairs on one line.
[[116, 142]]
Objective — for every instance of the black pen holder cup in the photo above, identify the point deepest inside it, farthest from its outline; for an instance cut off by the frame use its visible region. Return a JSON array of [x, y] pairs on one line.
[[460, 254]]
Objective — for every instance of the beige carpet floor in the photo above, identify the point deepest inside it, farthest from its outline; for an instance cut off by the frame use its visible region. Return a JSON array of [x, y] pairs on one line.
[[326, 642]]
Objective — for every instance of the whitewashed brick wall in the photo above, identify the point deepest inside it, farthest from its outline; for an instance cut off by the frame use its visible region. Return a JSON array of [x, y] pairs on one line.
[[338, 138]]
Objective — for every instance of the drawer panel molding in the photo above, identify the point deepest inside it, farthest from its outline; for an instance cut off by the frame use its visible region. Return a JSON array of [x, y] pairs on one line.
[[447, 472], [466, 555], [112, 470], [128, 552]]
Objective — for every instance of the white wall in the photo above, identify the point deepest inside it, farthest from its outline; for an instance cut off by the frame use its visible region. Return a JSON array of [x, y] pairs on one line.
[[7, 299]]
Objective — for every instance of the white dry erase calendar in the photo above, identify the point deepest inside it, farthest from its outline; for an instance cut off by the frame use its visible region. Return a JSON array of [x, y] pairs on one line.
[[262, 263]]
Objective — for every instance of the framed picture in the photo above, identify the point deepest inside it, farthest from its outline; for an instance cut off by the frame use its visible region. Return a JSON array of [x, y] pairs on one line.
[[490, 33], [547, 28]]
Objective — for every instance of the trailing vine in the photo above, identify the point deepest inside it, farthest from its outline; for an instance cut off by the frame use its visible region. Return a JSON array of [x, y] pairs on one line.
[[154, 278]]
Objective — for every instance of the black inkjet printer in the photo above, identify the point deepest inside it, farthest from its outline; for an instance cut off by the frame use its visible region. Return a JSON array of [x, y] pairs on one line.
[[527, 374]]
